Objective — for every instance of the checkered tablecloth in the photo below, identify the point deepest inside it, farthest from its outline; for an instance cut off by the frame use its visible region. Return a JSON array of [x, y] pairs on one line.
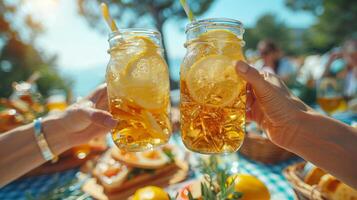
[[271, 175], [33, 187]]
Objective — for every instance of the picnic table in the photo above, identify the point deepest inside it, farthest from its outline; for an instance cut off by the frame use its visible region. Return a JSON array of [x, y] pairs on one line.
[[270, 174], [25, 188]]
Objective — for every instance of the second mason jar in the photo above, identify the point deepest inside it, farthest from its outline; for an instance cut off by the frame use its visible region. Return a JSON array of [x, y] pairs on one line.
[[213, 96], [138, 89]]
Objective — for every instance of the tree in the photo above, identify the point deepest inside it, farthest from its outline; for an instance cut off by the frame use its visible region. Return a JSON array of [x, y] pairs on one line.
[[20, 58], [268, 26], [336, 22], [130, 13]]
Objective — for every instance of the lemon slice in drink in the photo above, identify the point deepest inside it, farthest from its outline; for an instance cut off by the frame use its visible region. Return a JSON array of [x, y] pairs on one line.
[[212, 81], [145, 78], [225, 42]]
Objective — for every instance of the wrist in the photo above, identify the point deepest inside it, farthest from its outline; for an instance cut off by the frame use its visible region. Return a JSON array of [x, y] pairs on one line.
[[305, 125], [288, 134], [57, 139]]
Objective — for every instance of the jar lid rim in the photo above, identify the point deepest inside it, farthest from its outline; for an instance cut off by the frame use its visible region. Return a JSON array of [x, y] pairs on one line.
[[214, 21], [134, 31]]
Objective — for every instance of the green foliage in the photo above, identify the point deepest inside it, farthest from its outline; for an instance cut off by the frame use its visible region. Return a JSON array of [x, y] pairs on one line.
[[19, 59], [169, 154], [216, 185], [142, 13], [308, 5], [269, 26], [336, 22]]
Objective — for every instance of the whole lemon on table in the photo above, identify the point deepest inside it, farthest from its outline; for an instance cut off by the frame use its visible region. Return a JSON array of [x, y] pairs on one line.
[[150, 193], [251, 187]]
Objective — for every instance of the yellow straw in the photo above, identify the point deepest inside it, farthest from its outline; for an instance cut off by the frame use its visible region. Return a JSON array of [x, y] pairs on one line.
[[188, 11], [108, 19]]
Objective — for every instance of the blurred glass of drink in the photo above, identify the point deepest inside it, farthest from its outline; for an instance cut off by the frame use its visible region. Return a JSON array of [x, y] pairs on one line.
[[330, 95], [57, 101]]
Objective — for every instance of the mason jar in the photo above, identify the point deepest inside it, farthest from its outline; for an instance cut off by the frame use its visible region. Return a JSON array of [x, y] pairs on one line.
[[213, 96], [138, 89]]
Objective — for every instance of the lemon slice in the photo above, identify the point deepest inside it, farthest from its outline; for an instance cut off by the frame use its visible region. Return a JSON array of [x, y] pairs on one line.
[[145, 78], [225, 42], [153, 127], [212, 81]]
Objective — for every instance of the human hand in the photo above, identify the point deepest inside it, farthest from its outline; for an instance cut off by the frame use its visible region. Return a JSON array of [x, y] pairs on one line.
[[99, 97], [271, 105], [80, 122]]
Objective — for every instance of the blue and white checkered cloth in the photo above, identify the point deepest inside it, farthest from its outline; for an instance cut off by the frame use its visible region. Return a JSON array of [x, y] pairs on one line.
[[25, 188], [271, 175]]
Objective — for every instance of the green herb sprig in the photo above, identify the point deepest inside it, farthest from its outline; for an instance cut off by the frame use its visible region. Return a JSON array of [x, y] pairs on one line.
[[215, 185]]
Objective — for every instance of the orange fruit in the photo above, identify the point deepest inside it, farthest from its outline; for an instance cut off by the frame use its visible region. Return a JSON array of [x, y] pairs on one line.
[[251, 187], [150, 193]]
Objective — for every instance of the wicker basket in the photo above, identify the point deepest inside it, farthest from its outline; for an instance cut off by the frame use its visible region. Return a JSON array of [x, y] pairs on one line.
[[303, 190], [261, 149]]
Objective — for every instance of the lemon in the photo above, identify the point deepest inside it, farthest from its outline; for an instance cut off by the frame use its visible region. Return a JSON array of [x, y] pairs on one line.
[[212, 81], [251, 187], [225, 42], [153, 127], [150, 193], [145, 78]]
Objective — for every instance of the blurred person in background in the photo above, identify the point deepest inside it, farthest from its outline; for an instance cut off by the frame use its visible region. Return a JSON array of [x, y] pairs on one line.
[[273, 61], [343, 65], [312, 68]]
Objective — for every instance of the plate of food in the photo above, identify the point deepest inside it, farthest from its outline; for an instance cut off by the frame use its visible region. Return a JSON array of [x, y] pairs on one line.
[[118, 174]]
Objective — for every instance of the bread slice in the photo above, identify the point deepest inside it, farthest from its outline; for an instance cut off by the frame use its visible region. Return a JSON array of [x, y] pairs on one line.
[[314, 175], [334, 189], [110, 173]]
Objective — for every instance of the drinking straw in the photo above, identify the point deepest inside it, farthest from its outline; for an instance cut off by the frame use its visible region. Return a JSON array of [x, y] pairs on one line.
[[188, 11], [34, 77], [108, 19]]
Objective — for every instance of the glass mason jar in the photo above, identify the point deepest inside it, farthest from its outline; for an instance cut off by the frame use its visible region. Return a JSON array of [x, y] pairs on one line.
[[213, 96], [138, 89]]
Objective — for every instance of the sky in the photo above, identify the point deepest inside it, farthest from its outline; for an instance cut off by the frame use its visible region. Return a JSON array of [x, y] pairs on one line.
[[79, 46], [82, 51]]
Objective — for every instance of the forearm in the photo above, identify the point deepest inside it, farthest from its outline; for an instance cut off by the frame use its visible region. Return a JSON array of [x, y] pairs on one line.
[[329, 144], [20, 152], [327, 68]]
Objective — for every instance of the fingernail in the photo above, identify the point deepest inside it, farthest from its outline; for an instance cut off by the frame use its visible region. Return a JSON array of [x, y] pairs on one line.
[[241, 66], [110, 122]]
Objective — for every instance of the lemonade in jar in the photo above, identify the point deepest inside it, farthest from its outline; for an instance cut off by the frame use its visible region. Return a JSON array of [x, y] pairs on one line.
[[213, 96], [138, 89]]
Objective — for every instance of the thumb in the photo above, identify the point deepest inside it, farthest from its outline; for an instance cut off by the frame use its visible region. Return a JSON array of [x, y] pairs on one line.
[[252, 76]]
